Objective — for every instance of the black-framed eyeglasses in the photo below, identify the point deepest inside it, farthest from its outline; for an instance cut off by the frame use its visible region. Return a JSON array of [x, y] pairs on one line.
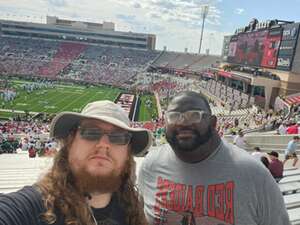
[[95, 134], [191, 116]]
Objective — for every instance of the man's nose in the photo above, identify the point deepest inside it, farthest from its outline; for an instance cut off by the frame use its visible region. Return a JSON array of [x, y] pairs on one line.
[[103, 141], [183, 120]]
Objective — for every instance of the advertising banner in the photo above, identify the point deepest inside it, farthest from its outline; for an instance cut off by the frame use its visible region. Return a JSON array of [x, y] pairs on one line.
[[284, 62], [287, 47], [290, 31]]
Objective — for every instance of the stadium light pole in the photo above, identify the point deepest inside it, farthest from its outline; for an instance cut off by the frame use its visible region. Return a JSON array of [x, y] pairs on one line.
[[204, 12]]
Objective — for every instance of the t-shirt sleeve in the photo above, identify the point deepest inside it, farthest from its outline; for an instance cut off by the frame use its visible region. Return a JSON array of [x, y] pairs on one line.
[[144, 175], [140, 181], [272, 209], [21, 208]]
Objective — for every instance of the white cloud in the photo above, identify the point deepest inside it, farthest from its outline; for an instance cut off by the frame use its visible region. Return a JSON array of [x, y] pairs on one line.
[[177, 23], [57, 3], [239, 11], [181, 11], [136, 5]]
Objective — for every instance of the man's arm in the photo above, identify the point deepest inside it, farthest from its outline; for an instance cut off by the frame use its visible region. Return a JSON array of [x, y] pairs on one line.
[[272, 210], [20, 208]]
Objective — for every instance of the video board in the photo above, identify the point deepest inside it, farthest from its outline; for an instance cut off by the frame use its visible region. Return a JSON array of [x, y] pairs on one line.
[[249, 48], [270, 47]]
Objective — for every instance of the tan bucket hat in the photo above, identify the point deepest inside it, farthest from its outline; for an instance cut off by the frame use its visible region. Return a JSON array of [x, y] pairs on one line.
[[106, 111]]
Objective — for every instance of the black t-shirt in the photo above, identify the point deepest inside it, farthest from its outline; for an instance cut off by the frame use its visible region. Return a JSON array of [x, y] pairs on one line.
[[112, 214], [25, 206]]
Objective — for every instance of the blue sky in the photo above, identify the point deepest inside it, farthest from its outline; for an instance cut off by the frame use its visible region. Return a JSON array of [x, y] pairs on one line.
[[177, 23]]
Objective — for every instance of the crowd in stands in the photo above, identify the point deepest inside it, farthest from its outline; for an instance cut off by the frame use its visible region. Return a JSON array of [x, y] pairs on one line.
[[25, 135], [250, 120], [109, 65], [185, 62], [25, 56], [89, 63]]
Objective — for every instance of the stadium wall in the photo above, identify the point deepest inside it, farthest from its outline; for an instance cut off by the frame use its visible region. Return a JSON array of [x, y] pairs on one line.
[[137, 110], [159, 111], [124, 106]]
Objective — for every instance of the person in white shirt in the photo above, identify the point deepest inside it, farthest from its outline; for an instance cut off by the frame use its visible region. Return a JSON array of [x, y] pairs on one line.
[[282, 129], [240, 141], [257, 154]]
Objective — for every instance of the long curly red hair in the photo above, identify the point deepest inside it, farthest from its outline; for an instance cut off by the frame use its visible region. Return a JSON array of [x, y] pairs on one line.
[[60, 194]]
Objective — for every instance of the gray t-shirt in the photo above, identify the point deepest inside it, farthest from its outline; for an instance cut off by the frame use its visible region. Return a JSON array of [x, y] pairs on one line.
[[229, 187]]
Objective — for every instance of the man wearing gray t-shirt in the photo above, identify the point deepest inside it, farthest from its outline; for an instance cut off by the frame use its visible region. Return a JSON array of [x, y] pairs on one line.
[[200, 179]]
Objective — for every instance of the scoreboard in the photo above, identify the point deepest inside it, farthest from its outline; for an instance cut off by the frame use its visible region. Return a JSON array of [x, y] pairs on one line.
[[268, 45], [287, 47]]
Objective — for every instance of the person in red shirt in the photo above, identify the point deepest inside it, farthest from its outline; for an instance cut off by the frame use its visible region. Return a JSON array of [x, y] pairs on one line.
[[275, 166], [292, 129], [31, 152]]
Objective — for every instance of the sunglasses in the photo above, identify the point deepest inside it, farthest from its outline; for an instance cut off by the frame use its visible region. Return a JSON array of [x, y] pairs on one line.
[[191, 116], [95, 134]]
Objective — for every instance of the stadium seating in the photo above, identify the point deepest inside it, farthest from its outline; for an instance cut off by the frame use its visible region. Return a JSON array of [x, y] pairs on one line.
[[76, 61], [65, 54], [25, 56], [185, 61]]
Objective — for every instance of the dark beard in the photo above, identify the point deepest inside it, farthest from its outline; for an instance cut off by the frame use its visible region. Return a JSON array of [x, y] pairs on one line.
[[190, 145], [87, 183]]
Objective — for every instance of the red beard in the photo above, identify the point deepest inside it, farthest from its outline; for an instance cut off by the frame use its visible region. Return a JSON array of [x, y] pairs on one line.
[[89, 183]]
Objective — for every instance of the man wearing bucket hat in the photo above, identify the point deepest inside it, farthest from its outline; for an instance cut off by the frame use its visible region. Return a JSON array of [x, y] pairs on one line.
[[90, 180]]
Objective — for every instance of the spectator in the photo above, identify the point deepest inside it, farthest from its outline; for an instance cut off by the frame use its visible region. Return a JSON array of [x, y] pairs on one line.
[[240, 140], [293, 129], [275, 166], [199, 179], [25, 144], [90, 181], [290, 152], [282, 129], [265, 161], [31, 152], [257, 154]]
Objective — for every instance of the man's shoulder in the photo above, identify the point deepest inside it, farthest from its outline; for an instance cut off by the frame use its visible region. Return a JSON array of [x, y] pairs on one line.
[[239, 157], [291, 143], [157, 154], [25, 205], [276, 163], [26, 195]]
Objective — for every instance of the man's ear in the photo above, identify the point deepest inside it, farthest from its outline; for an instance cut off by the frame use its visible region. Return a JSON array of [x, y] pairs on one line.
[[213, 121]]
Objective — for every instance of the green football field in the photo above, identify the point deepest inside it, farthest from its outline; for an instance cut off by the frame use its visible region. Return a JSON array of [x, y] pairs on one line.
[[63, 98]]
